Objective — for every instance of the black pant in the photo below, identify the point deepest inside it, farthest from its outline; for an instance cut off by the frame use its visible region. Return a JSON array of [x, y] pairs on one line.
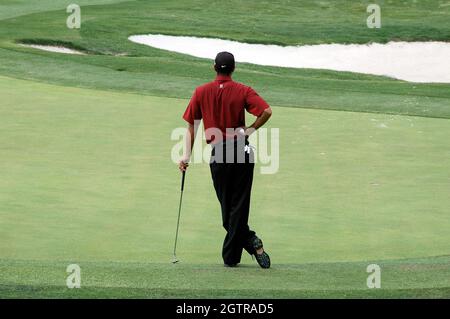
[[233, 183]]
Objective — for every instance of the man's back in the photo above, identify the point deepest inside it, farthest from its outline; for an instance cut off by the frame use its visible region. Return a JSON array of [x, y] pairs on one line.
[[221, 104]]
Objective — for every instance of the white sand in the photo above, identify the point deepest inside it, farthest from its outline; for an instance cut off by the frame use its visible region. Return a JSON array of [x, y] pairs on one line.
[[409, 61], [57, 49]]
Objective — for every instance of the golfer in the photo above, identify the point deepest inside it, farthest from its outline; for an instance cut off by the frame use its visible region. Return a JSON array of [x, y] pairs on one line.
[[222, 105]]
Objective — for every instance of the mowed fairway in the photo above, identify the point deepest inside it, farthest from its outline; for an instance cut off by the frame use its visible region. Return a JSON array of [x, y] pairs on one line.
[[87, 178]]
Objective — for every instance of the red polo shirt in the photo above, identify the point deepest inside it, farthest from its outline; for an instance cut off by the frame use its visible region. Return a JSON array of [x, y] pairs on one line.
[[221, 105]]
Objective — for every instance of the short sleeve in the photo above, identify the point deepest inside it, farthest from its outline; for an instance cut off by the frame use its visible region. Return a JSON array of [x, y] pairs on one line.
[[255, 104], [193, 111]]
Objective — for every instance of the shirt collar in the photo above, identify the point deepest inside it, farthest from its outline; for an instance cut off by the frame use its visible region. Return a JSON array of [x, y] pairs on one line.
[[221, 78]]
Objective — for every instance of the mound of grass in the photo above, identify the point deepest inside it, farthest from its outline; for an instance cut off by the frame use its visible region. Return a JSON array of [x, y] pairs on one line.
[[125, 66], [15, 8]]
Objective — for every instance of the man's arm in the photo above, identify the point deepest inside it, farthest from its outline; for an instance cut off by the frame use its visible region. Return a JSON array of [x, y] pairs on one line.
[[190, 137], [260, 121]]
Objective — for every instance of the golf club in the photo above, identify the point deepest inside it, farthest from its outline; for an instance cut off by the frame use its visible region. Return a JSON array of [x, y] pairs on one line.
[[175, 260]]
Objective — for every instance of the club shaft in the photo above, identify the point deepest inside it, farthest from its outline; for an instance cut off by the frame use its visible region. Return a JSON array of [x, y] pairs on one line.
[[179, 213]]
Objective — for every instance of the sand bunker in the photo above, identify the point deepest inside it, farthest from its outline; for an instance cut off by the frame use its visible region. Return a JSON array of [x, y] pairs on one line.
[[409, 61], [50, 48]]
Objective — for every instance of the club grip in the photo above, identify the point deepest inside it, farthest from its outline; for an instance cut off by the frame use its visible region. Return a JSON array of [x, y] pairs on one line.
[[182, 180]]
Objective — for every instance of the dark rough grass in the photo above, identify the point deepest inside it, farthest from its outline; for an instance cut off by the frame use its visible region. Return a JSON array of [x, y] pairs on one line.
[[410, 278], [32, 292]]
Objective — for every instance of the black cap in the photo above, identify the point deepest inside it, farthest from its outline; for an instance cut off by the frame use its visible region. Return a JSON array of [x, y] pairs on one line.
[[224, 62]]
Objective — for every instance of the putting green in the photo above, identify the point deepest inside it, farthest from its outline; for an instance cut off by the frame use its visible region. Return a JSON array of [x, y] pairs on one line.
[[87, 177]]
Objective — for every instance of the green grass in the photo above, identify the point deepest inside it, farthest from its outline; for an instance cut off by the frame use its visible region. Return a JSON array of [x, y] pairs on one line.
[[149, 71], [15, 8], [413, 278], [86, 175], [88, 179]]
